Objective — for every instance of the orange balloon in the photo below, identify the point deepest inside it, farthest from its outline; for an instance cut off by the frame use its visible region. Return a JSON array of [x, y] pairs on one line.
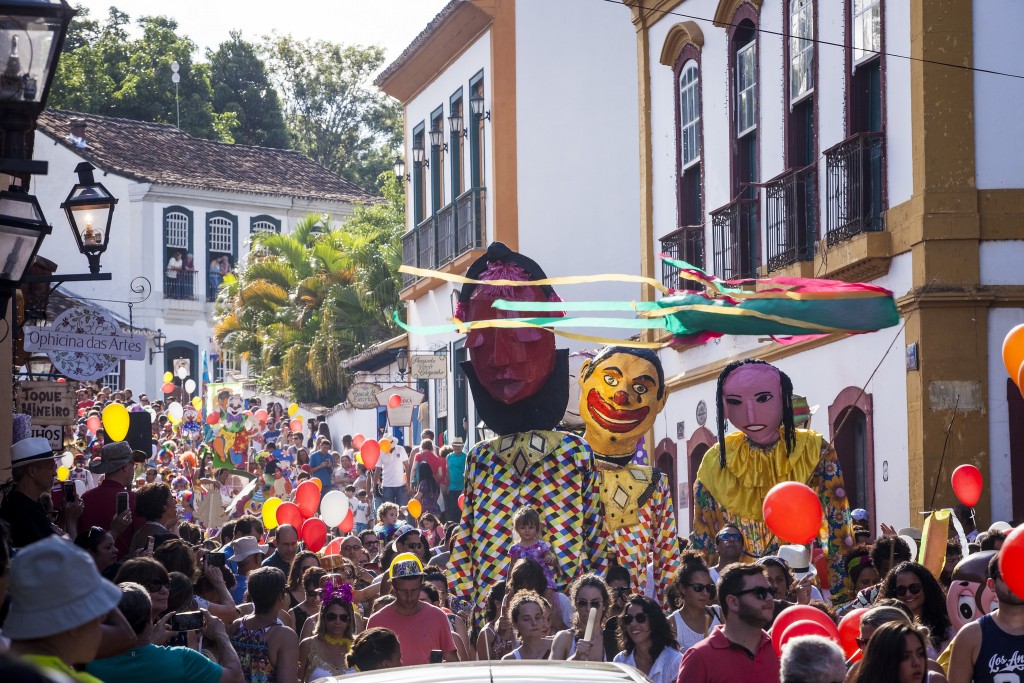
[[319, 484], [793, 512], [1013, 351], [415, 508], [1020, 378]]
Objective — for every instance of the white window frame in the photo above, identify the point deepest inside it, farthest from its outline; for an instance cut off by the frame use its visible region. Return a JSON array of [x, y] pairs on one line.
[[866, 24], [746, 92], [801, 49], [689, 114], [263, 227], [221, 237], [176, 231], [113, 378]]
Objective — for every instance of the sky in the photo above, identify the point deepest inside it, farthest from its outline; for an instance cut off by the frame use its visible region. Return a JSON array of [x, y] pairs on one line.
[[390, 23]]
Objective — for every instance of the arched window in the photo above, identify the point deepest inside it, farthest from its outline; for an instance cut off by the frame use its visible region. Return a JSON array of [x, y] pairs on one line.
[[221, 235], [179, 275], [177, 225], [221, 249], [689, 113]]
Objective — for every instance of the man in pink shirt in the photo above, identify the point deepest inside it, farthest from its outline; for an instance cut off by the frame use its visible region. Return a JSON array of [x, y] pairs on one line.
[[740, 650], [420, 627]]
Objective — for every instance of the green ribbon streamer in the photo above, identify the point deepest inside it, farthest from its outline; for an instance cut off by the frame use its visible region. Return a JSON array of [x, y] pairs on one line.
[[623, 323]]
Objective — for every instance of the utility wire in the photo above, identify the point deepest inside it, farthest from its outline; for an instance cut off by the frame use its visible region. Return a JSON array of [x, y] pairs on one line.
[[782, 34]]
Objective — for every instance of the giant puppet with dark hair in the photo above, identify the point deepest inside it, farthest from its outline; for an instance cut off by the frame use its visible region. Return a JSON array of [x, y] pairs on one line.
[[736, 473], [520, 388], [622, 391]]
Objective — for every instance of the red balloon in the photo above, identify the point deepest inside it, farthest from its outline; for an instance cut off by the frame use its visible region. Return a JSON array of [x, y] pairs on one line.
[[81, 412], [462, 501], [394, 401], [213, 418], [313, 533], [62, 380], [289, 513], [333, 548], [804, 628], [168, 387], [1011, 561], [793, 512], [370, 451], [796, 613], [849, 631], [295, 425], [347, 523], [94, 424], [307, 498], [967, 484], [261, 415], [357, 441]]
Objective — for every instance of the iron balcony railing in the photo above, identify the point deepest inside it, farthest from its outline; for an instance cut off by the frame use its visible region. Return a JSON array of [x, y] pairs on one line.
[[180, 284], [792, 217], [855, 200], [734, 234], [685, 244], [446, 235]]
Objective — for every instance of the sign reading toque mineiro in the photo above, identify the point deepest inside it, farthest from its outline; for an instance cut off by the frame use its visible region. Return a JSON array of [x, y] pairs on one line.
[[84, 343]]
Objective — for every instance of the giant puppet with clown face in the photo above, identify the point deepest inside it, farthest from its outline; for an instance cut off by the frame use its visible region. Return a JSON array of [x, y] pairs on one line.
[[622, 391], [520, 388], [736, 473]]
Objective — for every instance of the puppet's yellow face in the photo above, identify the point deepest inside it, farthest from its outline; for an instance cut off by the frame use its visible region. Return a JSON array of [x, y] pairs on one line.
[[619, 401]]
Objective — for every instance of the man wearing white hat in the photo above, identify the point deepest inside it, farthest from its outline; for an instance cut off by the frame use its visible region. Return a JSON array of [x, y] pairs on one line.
[[33, 469], [55, 622], [248, 554]]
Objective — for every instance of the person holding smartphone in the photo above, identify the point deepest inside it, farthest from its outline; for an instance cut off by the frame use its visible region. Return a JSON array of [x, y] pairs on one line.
[[100, 505]]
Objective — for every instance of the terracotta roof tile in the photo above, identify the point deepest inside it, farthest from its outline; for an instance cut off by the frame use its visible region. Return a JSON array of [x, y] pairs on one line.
[[162, 154], [408, 52]]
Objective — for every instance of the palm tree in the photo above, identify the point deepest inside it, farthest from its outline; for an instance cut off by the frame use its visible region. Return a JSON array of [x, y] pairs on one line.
[[312, 298]]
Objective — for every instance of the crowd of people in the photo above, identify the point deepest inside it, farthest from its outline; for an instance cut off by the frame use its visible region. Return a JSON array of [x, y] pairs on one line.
[[134, 565]]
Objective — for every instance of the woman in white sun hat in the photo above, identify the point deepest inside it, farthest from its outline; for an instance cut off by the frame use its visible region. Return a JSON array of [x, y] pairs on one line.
[[58, 603]]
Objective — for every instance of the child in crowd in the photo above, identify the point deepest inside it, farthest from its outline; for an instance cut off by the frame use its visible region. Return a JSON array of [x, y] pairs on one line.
[[361, 507], [531, 545], [387, 521]]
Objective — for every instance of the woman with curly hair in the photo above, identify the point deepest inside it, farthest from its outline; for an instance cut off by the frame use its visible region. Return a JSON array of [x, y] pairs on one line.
[[323, 653], [913, 585], [527, 610], [375, 648], [896, 652], [696, 616], [648, 640], [587, 592]]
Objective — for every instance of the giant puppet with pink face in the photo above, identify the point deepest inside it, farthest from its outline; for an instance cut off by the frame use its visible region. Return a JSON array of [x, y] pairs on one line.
[[736, 473]]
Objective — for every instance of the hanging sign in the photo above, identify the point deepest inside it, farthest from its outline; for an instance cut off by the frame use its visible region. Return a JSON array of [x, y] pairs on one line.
[[49, 403], [52, 433], [363, 395], [431, 366], [84, 343], [402, 415]]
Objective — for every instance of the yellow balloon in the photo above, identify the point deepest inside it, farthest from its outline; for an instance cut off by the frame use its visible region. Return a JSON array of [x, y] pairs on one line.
[[197, 403], [63, 473], [115, 421], [269, 511], [319, 484], [385, 446], [168, 377], [292, 409], [415, 509]]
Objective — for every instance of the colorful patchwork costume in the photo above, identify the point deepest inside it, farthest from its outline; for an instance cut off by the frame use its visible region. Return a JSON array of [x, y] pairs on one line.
[[735, 495], [553, 472]]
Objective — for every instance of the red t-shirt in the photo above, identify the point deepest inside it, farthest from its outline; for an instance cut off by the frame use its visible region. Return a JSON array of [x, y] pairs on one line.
[[716, 659], [100, 505], [437, 465], [418, 634]]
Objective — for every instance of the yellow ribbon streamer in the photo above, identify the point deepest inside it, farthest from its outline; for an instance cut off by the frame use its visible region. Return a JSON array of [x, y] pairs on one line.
[[567, 280]]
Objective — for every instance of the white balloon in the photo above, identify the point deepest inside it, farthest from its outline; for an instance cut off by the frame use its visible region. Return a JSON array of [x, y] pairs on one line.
[[333, 508], [190, 385], [174, 412], [79, 487], [68, 459], [182, 372]]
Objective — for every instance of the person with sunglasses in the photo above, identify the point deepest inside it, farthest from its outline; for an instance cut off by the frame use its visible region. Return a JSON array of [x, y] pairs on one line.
[[728, 547], [696, 615], [738, 650], [587, 592], [646, 639], [323, 653], [913, 585]]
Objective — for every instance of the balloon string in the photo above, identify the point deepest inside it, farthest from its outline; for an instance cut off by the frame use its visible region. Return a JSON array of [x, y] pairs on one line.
[[942, 458]]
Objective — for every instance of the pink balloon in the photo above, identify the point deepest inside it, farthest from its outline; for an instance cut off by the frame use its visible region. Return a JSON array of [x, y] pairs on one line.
[[357, 441], [261, 415], [394, 401]]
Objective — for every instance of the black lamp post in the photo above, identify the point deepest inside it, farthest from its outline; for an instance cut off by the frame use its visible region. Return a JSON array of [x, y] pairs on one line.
[[402, 360], [400, 169], [158, 342], [90, 209], [437, 139], [22, 229]]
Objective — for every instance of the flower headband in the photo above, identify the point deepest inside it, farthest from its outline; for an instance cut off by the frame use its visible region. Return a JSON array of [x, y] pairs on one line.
[[341, 592]]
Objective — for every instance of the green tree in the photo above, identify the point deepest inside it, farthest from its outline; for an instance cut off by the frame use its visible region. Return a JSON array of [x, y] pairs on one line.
[[242, 86], [334, 113], [103, 70], [313, 299]]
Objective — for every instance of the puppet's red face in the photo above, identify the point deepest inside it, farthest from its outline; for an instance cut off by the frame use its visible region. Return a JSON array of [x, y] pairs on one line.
[[753, 402], [511, 364]]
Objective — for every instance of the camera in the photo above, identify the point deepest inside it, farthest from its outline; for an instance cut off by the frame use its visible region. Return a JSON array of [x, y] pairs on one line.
[[69, 491], [187, 621], [214, 559]]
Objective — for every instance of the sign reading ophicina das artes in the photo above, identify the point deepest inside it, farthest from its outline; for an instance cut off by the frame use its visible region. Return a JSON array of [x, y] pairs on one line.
[[84, 343]]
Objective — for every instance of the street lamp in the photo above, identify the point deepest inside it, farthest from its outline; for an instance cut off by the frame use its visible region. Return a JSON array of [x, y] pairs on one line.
[[31, 38], [400, 169], [402, 360], [476, 107], [22, 229], [90, 209], [456, 124], [419, 158], [38, 365], [437, 139], [158, 342]]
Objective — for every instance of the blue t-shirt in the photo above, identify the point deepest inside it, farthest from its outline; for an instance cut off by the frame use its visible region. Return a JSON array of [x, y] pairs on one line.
[[155, 664], [238, 592], [324, 475], [456, 471]]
